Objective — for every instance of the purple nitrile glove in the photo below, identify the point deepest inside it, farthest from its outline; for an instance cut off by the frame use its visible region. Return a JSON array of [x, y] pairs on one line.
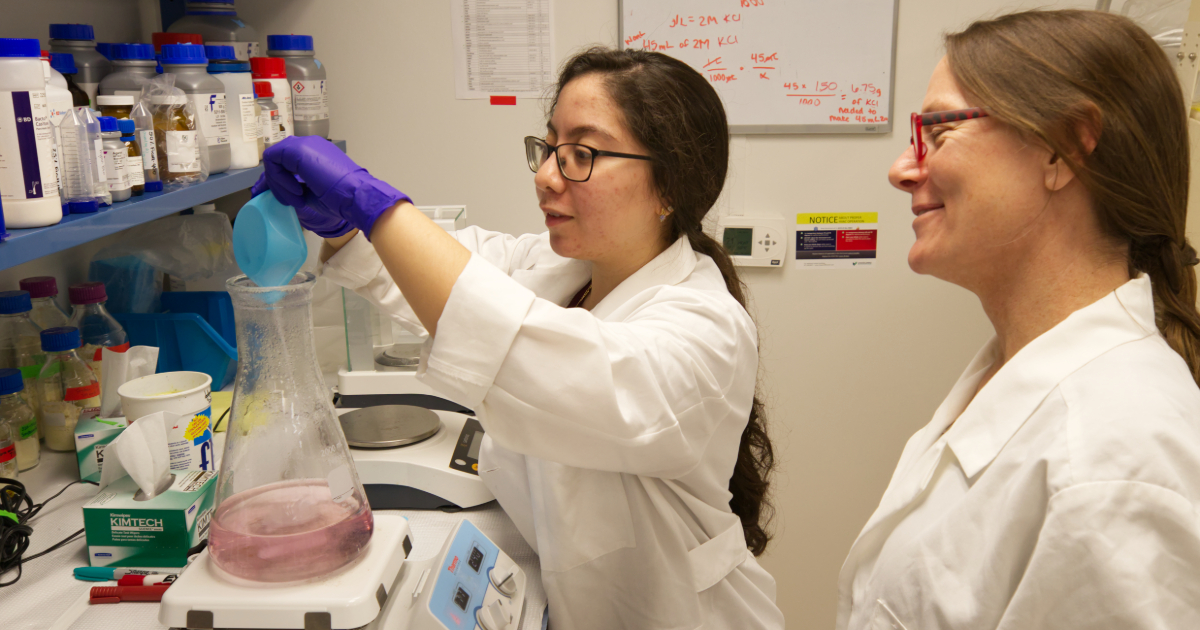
[[310, 219], [310, 171]]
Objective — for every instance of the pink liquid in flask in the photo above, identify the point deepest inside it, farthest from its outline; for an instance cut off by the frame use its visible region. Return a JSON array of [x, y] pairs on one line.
[[288, 531]]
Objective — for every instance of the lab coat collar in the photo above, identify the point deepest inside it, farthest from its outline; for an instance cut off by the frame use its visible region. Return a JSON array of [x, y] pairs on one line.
[[1018, 389], [671, 267]]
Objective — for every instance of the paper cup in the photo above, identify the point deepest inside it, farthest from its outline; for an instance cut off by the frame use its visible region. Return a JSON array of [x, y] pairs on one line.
[[188, 394]]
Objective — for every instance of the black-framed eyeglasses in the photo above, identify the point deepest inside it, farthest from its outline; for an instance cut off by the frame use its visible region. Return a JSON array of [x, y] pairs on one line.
[[575, 161]]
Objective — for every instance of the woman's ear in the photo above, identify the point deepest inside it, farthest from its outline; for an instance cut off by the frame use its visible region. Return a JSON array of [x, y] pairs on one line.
[[1088, 123]]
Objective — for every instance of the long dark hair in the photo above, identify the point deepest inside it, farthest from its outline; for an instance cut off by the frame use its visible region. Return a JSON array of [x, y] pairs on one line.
[[674, 112], [1050, 73]]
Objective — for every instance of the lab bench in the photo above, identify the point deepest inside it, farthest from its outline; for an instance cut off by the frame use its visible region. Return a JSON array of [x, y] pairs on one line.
[[48, 597]]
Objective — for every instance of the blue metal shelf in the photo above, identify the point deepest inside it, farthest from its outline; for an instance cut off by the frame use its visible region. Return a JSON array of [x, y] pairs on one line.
[[26, 245]]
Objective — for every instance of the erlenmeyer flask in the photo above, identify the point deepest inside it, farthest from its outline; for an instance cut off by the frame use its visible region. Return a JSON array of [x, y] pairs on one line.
[[289, 503]]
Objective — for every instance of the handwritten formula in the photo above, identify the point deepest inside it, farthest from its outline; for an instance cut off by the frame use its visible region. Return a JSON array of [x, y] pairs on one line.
[[779, 66]]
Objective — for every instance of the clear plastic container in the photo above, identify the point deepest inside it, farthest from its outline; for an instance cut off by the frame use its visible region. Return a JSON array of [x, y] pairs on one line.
[[143, 122], [97, 328], [95, 144], [8, 452], [68, 389], [76, 156], [16, 412], [289, 503], [176, 141], [20, 341]]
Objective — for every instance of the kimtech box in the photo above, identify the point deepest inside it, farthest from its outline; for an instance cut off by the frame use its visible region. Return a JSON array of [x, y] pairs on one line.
[[126, 531], [92, 436]]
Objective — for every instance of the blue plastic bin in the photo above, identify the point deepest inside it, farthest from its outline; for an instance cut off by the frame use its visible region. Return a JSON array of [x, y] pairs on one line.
[[186, 340], [216, 307]]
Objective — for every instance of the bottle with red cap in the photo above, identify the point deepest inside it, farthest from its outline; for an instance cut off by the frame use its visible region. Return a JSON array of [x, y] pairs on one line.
[[97, 328], [43, 294], [270, 119], [273, 70], [69, 390]]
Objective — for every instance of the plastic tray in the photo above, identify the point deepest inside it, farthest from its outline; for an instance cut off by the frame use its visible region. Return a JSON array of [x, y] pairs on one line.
[[185, 341]]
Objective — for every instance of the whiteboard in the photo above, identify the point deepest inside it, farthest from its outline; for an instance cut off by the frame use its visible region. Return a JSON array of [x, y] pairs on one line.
[[780, 66]]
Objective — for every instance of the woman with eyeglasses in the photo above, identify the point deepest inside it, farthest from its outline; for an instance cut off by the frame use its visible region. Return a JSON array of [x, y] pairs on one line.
[[610, 360], [1058, 484]]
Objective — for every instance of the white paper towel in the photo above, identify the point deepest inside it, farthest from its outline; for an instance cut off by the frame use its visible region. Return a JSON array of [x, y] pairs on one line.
[[141, 452], [120, 368]]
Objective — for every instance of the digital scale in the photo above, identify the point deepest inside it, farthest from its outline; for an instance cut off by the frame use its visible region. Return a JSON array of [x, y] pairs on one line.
[[410, 458], [471, 583]]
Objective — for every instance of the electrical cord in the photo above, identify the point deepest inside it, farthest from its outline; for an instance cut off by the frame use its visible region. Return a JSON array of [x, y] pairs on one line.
[[16, 510]]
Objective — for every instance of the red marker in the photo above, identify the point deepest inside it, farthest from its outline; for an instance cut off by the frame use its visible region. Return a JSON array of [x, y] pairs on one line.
[[117, 594]]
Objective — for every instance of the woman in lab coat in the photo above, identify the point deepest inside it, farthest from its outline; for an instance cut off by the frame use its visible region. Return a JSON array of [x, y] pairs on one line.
[[1058, 484], [624, 438]]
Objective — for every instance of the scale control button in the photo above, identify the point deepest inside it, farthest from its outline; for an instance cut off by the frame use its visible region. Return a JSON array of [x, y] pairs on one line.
[[475, 467], [504, 582], [460, 462]]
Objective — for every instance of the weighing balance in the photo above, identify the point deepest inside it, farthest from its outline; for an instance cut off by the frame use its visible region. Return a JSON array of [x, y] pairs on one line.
[[470, 584], [411, 458]]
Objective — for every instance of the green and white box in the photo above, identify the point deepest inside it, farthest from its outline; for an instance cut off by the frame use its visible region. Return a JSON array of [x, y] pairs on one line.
[[92, 436], [125, 530]]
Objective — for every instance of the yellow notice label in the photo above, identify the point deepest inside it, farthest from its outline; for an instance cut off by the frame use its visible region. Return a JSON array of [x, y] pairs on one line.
[[851, 217], [196, 427]]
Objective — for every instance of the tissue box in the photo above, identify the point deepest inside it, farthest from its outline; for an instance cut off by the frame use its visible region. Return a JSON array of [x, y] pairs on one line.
[[123, 531], [91, 438]]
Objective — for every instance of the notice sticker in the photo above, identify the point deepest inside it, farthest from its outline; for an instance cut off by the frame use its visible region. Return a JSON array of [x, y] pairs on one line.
[[836, 240]]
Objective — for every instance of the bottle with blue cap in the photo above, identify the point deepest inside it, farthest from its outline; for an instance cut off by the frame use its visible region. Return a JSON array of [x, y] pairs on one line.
[[68, 390], [116, 159], [132, 66], [20, 341], [133, 160], [306, 75], [29, 182], [8, 452], [79, 40], [218, 23], [17, 415], [234, 74], [64, 64], [189, 64]]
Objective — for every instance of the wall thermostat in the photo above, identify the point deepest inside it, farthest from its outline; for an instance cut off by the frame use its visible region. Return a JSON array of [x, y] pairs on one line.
[[754, 241]]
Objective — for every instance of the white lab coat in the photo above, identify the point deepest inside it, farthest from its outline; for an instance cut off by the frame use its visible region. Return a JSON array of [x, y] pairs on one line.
[[611, 435], [1064, 496]]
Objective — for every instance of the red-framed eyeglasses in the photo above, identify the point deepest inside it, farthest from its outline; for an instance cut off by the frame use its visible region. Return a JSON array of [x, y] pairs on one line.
[[937, 118]]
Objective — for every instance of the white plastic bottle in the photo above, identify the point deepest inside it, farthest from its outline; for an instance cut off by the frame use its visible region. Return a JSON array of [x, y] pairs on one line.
[[240, 107], [28, 186], [116, 157]]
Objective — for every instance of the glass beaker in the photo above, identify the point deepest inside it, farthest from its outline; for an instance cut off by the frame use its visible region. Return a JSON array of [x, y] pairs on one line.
[[289, 503]]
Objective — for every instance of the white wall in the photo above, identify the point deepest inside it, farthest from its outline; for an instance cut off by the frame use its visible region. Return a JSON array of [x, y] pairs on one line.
[[853, 361]]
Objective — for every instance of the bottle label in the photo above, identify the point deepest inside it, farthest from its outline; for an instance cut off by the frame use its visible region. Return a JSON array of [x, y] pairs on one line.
[[85, 392], [99, 355], [137, 177], [114, 164], [251, 131], [283, 98], [310, 101], [29, 429], [92, 408], [210, 118], [149, 150], [26, 147], [8, 451], [100, 169], [183, 152], [272, 124]]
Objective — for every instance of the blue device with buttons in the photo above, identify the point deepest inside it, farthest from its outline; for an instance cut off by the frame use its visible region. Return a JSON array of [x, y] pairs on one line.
[[471, 584]]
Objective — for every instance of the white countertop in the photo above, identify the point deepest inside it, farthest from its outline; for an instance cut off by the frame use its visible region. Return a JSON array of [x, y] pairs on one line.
[[49, 597]]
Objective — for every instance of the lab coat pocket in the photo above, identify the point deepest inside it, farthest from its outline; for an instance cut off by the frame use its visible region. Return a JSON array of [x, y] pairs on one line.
[[585, 514], [884, 618]]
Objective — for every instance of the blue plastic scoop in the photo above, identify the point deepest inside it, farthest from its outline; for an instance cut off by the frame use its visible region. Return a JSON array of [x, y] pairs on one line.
[[268, 241]]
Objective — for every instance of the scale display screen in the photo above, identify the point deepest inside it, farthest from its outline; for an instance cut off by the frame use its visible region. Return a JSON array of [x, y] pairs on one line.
[[476, 441], [739, 241]]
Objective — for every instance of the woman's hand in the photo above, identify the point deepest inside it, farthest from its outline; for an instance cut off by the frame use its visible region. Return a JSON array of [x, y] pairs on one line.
[[311, 174], [320, 224]]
